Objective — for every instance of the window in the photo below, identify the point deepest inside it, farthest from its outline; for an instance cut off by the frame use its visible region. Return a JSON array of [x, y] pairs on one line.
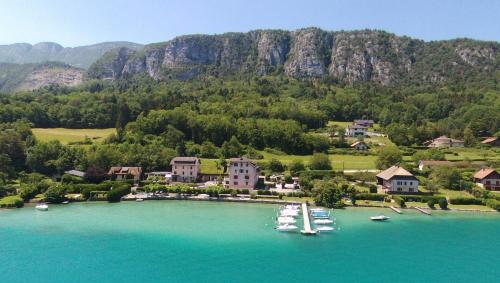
[[405, 183], [235, 183], [227, 182], [235, 171], [241, 170], [247, 172], [235, 177], [411, 183], [411, 189], [235, 164], [399, 189], [399, 183], [246, 183], [175, 172], [247, 177]]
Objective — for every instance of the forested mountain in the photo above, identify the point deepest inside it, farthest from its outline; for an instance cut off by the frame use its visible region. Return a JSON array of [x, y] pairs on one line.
[[347, 57], [81, 57], [17, 77]]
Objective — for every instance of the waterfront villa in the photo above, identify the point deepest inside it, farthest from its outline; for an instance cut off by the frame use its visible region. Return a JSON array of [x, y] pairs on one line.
[[444, 141], [360, 146], [364, 123], [397, 180], [488, 178], [185, 169], [243, 174], [355, 130], [429, 164], [124, 173], [493, 141]]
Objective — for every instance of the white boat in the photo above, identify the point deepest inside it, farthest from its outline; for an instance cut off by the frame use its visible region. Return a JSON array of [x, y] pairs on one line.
[[65, 202], [139, 199], [323, 221], [324, 228], [288, 212], [380, 218], [286, 227], [42, 207], [292, 207], [286, 220]]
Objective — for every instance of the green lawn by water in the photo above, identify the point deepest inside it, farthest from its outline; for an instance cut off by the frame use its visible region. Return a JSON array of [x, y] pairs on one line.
[[66, 136]]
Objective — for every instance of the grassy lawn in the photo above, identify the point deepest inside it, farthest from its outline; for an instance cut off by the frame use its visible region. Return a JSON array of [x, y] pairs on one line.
[[297, 199], [460, 154], [71, 135], [209, 166], [339, 161], [454, 194]]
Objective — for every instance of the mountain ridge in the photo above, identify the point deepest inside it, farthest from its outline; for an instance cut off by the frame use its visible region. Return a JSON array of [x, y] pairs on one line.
[[345, 56]]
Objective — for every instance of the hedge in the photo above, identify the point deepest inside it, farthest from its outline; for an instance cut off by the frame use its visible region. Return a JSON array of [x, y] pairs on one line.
[[399, 200], [11, 201], [466, 201], [318, 174], [367, 196], [423, 199], [493, 203], [118, 191]]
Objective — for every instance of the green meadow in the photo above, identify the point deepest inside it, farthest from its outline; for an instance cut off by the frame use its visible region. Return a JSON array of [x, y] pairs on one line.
[[66, 136]]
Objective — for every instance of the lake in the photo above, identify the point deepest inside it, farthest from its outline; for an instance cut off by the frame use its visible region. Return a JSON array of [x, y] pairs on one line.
[[190, 241]]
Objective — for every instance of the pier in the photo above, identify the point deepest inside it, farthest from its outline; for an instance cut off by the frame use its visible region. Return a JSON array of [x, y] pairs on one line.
[[307, 223], [422, 210], [397, 210]]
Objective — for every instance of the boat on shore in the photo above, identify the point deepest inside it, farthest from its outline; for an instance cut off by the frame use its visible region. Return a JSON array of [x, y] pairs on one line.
[[42, 207], [380, 218]]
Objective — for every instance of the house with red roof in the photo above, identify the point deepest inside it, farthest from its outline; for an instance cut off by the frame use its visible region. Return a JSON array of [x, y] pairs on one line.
[[488, 178]]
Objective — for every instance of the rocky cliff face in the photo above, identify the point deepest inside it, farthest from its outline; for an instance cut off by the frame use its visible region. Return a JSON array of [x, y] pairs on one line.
[[348, 57], [20, 77]]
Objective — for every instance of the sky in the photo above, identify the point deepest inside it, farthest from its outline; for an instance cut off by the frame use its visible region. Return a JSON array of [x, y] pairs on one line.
[[82, 22]]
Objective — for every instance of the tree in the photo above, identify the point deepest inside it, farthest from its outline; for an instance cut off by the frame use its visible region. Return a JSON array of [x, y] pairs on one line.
[[320, 161], [276, 166], [443, 204], [431, 204], [232, 148], [329, 194], [95, 174], [446, 178], [469, 139], [296, 166], [388, 156], [55, 194]]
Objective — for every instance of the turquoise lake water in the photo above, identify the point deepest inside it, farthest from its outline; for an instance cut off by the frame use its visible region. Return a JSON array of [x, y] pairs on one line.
[[186, 241]]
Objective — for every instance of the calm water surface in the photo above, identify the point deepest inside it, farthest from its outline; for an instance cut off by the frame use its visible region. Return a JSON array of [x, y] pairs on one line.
[[183, 241]]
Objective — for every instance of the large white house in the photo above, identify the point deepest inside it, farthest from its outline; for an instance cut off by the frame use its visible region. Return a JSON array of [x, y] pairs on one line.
[[397, 180], [185, 169], [356, 130], [243, 173]]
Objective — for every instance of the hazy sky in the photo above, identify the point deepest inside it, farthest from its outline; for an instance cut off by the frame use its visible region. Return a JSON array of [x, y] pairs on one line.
[[80, 22]]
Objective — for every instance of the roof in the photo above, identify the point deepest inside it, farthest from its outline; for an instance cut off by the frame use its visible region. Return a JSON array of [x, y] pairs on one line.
[[242, 159], [364, 121], [489, 140], [185, 159], [446, 139], [483, 173], [435, 162], [358, 143], [394, 171], [356, 126], [76, 173], [135, 171]]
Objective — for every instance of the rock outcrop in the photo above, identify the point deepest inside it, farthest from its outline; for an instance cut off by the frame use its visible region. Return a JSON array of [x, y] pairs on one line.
[[349, 57]]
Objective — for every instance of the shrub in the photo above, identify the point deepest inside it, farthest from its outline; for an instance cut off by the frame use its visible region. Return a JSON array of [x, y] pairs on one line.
[[373, 188], [431, 203], [493, 203], [55, 194], [118, 191], [399, 200], [28, 192], [466, 201], [245, 191], [443, 203], [375, 197], [320, 161], [11, 201]]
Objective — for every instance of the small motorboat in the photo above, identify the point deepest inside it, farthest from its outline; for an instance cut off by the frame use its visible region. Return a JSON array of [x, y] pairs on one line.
[[42, 207], [65, 202], [286, 227], [324, 228], [380, 218], [139, 199], [323, 221], [286, 220], [289, 212]]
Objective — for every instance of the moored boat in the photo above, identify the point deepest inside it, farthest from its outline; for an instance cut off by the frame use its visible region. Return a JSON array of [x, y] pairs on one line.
[[286, 227], [324, 228], [42, 207], [380, 218], [323, 221]]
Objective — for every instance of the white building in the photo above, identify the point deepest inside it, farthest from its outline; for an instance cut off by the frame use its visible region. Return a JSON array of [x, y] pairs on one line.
[[243, 174], [397, 180], [185, 169], [356, 130]]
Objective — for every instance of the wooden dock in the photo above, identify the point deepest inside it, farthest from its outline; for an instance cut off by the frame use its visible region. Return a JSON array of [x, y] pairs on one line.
[[307, 223], [422, 210], [396, 209]]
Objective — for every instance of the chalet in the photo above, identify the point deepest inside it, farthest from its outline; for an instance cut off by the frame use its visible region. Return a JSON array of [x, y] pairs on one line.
[[360, 146], [397, 180], [185, 169], [493, 141], [355, 130], [124, 173], [444, 141], [429, 164], [243, 174], [488, 178], [364, 123]]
